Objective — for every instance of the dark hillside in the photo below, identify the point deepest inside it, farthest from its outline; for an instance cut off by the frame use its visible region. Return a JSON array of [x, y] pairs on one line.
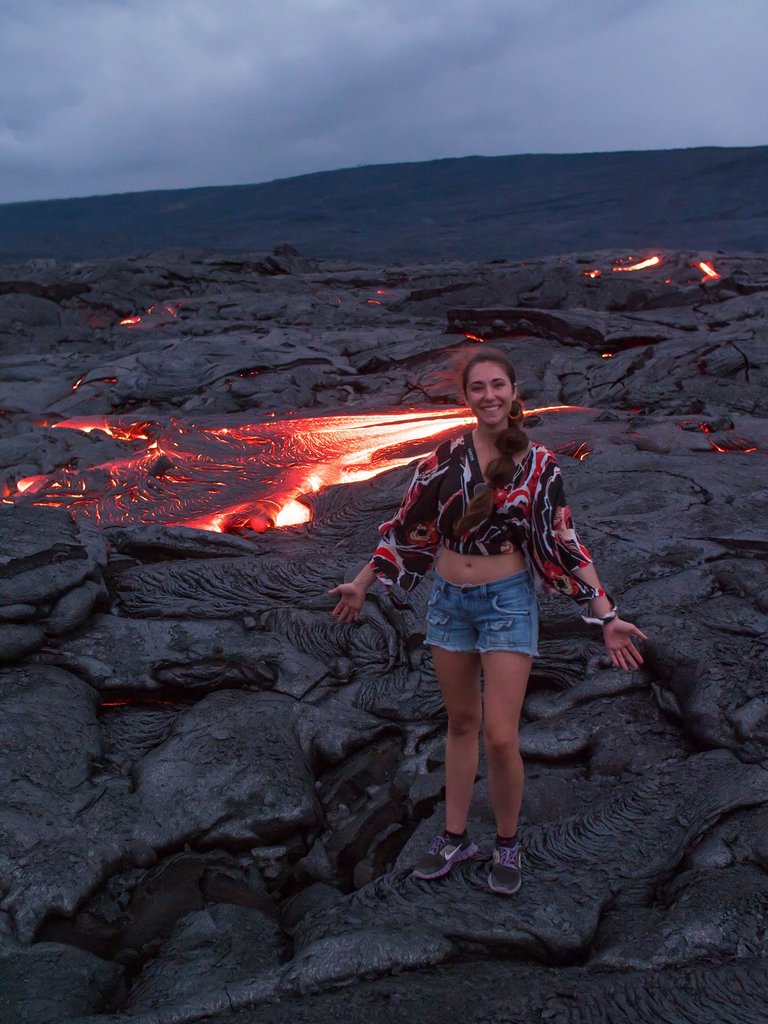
[[471, 208]]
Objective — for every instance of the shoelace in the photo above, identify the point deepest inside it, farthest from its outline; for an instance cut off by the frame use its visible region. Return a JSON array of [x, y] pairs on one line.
[[509, 856], [438, 843]]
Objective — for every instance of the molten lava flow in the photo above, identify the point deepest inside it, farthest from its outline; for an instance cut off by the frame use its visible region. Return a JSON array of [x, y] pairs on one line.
[[652, 261], [292, 514], [709, 271], [157, 316], [229, 477], [474, 337], [375, 302], [732, 444], [244, 475], [575, 449], [117, 429], [28, 482], [593, 273]]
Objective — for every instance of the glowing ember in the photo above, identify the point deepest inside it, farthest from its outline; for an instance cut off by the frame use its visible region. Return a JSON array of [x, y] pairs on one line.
[[732, 444], [245, 475], [710, 426], [575, 449], [375, 302], [157, 315], [28, 483], [652, 261], [474, 337], [607, 355], [116, 429], [709, 271], [593, 273]]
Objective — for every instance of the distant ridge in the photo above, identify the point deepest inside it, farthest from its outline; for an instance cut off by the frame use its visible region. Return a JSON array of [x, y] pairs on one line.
[[473, 208]]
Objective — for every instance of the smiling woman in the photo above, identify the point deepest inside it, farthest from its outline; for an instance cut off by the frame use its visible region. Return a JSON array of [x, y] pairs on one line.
[[489, 510]]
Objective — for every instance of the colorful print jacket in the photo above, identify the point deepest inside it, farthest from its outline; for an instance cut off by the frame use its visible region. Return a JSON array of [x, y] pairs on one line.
[[529, 514]]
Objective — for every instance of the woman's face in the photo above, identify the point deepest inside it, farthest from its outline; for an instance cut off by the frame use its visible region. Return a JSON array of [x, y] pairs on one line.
[[490, 394]]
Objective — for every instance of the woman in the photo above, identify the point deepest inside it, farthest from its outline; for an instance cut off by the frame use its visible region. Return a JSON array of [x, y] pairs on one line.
[[483, 508]]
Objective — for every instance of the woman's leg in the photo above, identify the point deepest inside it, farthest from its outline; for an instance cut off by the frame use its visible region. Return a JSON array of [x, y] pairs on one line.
[[505, 677], [458, 673]]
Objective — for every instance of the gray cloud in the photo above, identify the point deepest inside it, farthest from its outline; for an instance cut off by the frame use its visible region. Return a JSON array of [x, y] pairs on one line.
[[120, 95]]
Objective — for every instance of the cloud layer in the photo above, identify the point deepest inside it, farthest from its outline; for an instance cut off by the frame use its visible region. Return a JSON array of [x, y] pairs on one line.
[[102, 96]]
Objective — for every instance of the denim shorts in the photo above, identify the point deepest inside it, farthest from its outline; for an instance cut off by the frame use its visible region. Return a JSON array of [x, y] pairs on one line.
[[484, 617]]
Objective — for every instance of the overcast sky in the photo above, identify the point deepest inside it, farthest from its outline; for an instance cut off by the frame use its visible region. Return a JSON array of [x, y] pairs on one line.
[[100, 96]]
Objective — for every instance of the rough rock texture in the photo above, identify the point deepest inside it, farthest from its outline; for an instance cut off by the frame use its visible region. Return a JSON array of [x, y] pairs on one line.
[[212, 792]]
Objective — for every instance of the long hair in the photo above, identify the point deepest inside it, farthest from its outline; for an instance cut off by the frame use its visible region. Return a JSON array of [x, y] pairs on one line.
[[509, 443]]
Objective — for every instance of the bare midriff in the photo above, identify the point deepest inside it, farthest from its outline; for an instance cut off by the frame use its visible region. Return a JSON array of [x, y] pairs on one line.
[[466, 570]]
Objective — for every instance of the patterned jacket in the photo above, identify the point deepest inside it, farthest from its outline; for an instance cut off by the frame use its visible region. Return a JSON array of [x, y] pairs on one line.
[[529, 514]]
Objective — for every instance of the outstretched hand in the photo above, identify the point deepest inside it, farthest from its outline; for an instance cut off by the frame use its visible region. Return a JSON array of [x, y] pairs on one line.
[[351, 601], [618, 641]]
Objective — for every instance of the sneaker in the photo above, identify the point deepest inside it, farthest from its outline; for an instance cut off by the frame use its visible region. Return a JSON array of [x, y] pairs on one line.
[[506, 871], [441, 856]]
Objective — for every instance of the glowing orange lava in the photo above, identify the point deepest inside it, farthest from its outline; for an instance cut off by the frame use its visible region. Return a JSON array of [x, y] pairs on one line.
[[242, 475], [116, 429], [593, 273], [474, 337], [575, 449], [709, 271], [652, 261], [28, 482], [158, 316], [735, 444], [292, 513]]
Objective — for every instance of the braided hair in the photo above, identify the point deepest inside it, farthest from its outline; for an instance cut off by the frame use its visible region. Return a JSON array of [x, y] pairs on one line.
[[509, 443]]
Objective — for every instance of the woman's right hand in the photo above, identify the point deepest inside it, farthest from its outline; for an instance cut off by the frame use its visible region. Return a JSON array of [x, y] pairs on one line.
[[351, 601]]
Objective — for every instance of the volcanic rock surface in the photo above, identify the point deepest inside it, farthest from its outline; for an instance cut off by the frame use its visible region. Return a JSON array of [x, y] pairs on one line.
[[212, 792]]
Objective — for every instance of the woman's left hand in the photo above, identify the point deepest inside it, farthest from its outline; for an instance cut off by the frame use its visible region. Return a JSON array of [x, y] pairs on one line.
[[618, 640]]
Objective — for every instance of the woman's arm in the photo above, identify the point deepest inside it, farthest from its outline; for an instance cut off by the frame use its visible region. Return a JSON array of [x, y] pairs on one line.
[[352, 595], [617, 632], [566, 565], [407, 545]]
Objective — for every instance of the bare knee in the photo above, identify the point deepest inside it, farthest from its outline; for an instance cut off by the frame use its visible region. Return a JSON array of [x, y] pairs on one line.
[[501, 744], [463, 723]]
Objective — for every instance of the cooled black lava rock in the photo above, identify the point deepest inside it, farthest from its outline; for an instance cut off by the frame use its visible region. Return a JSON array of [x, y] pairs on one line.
[[212, 791]]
